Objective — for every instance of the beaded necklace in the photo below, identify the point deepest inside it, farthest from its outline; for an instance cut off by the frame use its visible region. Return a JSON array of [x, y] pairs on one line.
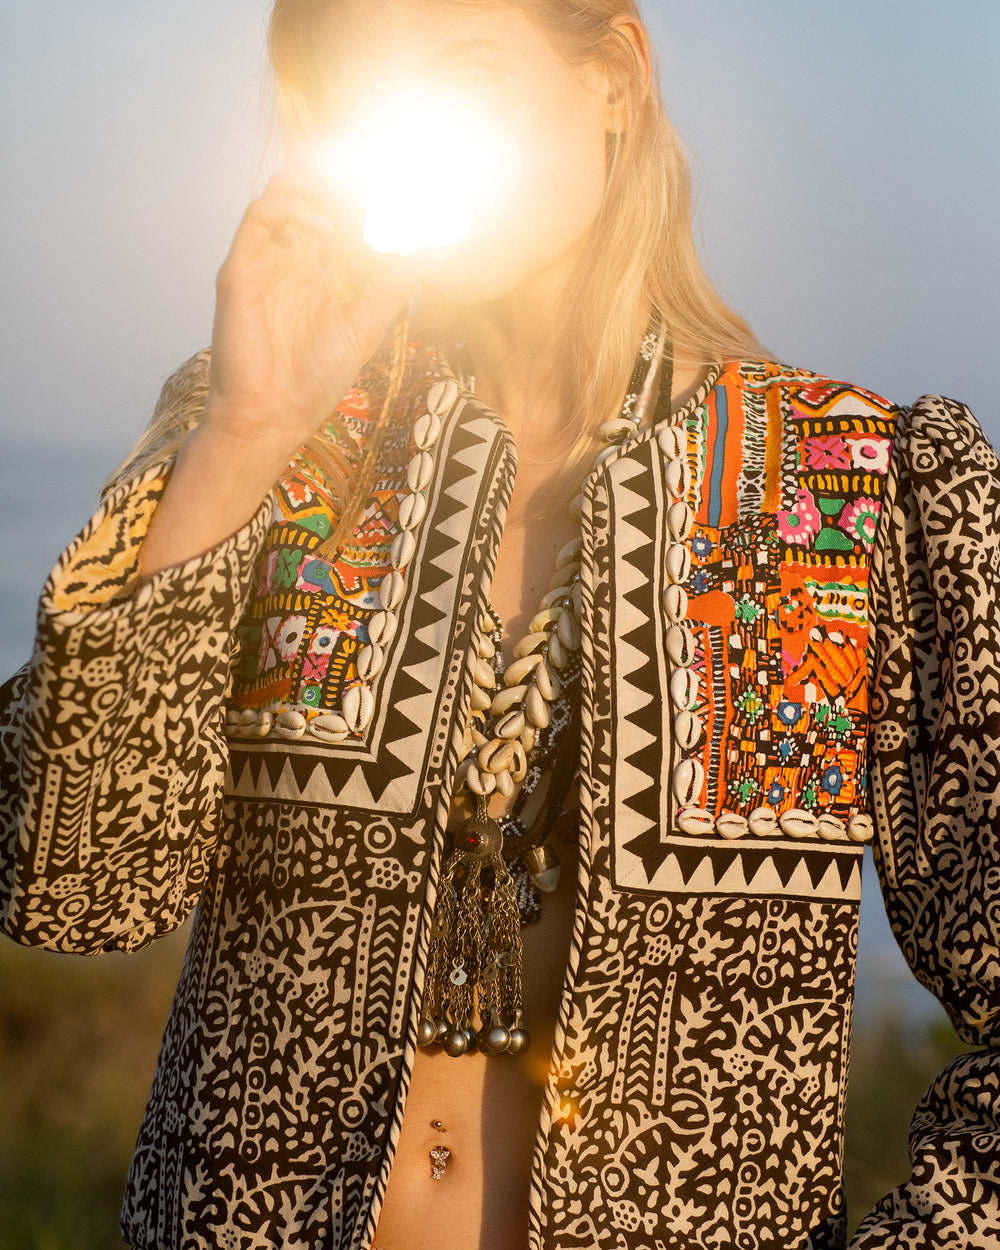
[[516, 735]]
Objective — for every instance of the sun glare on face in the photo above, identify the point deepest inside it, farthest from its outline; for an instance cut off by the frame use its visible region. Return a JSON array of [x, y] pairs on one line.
[[423, 163]]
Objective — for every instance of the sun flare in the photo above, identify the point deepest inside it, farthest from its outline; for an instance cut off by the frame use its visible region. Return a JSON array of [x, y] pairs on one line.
[[424, 164]]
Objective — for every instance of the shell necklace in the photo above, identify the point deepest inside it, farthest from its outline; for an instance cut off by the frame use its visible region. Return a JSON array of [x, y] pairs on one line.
[[475, 961]]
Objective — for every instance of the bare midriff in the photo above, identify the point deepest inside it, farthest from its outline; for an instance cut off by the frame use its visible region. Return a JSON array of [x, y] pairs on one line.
[[488, 1110]]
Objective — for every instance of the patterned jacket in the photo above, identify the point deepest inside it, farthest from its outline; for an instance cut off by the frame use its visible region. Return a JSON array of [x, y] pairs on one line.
[[837, 668]]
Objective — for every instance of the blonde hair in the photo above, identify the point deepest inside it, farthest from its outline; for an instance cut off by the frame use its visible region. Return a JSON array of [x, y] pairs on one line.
[[640, 253]]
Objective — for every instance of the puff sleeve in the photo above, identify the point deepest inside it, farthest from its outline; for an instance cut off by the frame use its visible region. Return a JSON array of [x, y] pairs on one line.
[[112, 754], [935, 792]]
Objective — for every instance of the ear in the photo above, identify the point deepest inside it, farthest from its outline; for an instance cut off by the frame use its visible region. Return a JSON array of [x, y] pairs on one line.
[[630, 67]]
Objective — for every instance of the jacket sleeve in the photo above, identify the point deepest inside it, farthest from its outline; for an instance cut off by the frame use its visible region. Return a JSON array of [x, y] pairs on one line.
[[936, 801], [111, 746]]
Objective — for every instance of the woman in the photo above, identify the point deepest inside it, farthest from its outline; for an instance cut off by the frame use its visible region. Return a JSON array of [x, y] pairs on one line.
[[684, 622]]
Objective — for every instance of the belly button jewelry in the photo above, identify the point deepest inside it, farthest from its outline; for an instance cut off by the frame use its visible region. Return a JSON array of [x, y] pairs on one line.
[[439, 1162]]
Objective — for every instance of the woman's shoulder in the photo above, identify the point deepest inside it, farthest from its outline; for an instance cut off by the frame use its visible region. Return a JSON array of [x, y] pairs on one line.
[[803, 389]]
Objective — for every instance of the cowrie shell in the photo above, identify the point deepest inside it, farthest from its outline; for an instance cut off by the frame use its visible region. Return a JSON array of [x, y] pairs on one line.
[[695, 821], [557, 652], [528, 735], [511, 725], [441, 396], [570, 553], [672, 441], [480, 782], [538, 622], [496, 756], [403, 549], [684, 689], [507, 698], [368, 661], [505, 784], [678, 563], [798, 823], [568, 631], [358, 706], [689, 775], [576, 507], [617, 430], [678, 475], [247, 723], [731, 825], [485, 648], [412, 509], [861, 828], [390, 591], [264, 722], [382, 627], [329, 727], [290, 724], [485, 676], [831, 828], [548, 683], [687, 729], [519, 765], [481, 701], [680, 645], [675, 603], [519, 669], [529, 643], [680, 520], [426, 430], [420, 470], [559, 595], [563, 577], [763, 822], [535, 707]]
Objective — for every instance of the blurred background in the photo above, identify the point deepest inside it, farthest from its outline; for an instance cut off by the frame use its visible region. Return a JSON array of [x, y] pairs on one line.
[[848, 182]]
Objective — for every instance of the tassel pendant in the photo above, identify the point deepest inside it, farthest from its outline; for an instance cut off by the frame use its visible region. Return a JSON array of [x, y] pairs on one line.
[[472, 997]]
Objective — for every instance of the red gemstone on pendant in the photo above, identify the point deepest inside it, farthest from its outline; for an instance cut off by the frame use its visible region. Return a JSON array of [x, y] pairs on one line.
[[474, 840]]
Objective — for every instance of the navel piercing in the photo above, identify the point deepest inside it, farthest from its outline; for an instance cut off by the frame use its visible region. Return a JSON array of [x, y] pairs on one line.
[[439, 1161], [437, 1126]]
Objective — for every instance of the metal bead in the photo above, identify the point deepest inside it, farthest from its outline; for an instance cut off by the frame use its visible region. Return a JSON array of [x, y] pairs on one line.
[[426, 430], [382, 627], [689, 776], [456, 1043], [443, 1026], [559, 595], [403, 549], [520, 1040], [329, 727], [426, 1032], [390, 590], [358, 707], [763, 822], [678, 563], [412, 509], [495, 1039], [419, 471], [442, 396]]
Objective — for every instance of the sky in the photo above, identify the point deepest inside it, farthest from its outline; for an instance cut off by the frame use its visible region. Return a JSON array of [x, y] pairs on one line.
[[847, 179]]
